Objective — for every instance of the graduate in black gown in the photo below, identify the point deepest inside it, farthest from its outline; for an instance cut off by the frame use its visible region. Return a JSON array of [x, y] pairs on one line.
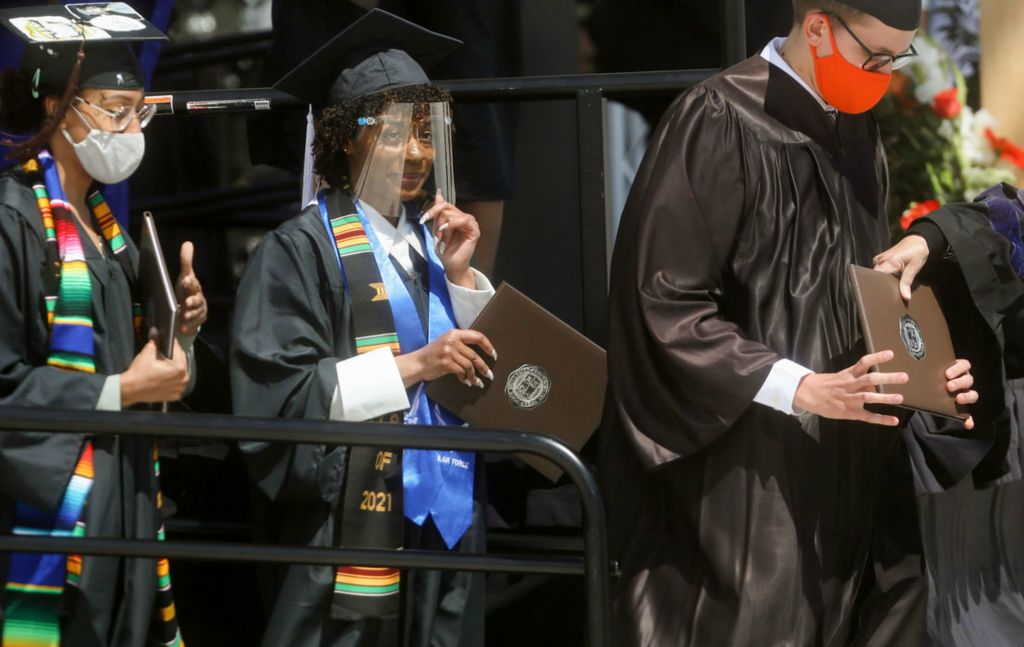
[[68, 340], [752, 499], [972, 512], [343, 313]]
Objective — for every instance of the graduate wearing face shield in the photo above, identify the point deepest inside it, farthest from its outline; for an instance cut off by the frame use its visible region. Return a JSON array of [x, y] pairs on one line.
[[345, 313], [400, 155]]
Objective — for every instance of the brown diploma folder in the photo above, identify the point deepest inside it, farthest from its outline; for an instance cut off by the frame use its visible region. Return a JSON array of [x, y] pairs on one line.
[[917, 334], [548, 378]]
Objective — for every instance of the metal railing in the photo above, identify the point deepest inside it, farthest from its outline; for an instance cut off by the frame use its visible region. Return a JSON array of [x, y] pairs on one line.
[[593, 565]]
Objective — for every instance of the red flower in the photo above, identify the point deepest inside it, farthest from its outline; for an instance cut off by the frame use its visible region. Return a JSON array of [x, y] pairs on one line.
[[946, 104], [1006, 150], [916, 210]]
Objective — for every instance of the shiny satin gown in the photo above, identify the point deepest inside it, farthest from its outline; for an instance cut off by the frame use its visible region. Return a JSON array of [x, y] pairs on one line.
[[732, 523]]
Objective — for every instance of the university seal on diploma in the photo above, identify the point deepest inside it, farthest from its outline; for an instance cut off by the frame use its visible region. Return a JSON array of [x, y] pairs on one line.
[[528, 386]]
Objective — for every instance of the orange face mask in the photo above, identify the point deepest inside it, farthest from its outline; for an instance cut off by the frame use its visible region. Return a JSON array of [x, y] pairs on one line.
[[845, 86]]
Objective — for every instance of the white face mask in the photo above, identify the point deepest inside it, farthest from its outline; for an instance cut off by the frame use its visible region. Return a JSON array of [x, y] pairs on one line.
[[108, 157]]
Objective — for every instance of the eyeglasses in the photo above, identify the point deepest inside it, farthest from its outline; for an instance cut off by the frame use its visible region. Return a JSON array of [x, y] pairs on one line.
[[122, 118], [876, 61], [391, 134]]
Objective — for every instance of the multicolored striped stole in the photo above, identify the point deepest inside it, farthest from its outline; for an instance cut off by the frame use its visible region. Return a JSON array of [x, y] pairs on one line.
[[168, 631], [371, 510], [71, 338], [350, 241], [36, 582]]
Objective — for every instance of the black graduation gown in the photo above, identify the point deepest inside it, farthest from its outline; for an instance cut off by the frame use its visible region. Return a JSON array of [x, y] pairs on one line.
[[973, 531], [292, 325], [732, 523], [114, 605]]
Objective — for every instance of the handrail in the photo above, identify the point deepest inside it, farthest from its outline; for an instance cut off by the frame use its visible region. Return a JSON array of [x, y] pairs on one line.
[[289, 430], [524, 88]]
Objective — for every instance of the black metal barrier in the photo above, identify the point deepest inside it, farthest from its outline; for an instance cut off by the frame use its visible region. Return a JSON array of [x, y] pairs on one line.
[[593, 565]]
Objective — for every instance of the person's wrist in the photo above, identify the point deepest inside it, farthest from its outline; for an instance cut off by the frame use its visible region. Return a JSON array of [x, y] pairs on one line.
[[462, 277], [802, 395], [410, 367], [920, 240], [930, 236], [128, 389]]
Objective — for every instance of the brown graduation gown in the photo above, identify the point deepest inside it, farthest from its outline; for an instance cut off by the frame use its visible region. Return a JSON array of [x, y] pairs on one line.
[[734, 524]]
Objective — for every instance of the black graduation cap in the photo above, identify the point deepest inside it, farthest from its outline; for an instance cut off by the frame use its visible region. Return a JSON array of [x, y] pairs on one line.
[[898, 14], [377, 52], [55, 33]]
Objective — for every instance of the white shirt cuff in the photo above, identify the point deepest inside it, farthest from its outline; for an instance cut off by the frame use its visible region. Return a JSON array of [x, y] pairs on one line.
[[187, 341], [467, 303], [780, 387], [369, 386], [187, 344], [110, 394]]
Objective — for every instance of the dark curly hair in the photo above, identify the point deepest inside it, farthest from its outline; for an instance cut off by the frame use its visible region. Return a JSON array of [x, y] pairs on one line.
[[21, 113], [336, 125]]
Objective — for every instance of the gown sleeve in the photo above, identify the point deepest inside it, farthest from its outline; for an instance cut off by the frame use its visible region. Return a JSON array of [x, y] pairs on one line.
[[283, 364], [982, 298], [982, 295], [983, 258], [671, 285], [34, 467]]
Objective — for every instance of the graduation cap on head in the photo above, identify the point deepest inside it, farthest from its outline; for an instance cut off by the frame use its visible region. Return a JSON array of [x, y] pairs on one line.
[[54, 34], [898, 14], [378, 52]]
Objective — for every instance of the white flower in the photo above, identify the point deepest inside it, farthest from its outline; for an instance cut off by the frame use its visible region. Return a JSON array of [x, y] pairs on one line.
[[929, 71], [978, 179], [947, 129], [977, 149]]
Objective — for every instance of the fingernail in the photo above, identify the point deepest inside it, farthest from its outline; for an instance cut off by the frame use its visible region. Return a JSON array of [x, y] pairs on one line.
[[479, 383], [442, 228], [441, 248], [425, 218], [467, 383], [494, 354], [490, 375]]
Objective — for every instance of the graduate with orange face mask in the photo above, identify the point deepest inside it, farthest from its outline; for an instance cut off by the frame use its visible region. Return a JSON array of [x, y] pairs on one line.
[[756, 495]]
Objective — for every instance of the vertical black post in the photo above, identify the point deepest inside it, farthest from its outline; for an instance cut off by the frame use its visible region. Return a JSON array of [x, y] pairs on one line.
[[596, 564], [734, 31], [590, 116], [590, 129]]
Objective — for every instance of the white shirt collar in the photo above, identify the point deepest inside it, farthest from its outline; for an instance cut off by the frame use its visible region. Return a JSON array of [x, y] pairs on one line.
[[772, 53], [397, 241]]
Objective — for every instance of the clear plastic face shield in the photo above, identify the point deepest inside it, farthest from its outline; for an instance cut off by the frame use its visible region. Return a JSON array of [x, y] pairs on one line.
[[403, 155]]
